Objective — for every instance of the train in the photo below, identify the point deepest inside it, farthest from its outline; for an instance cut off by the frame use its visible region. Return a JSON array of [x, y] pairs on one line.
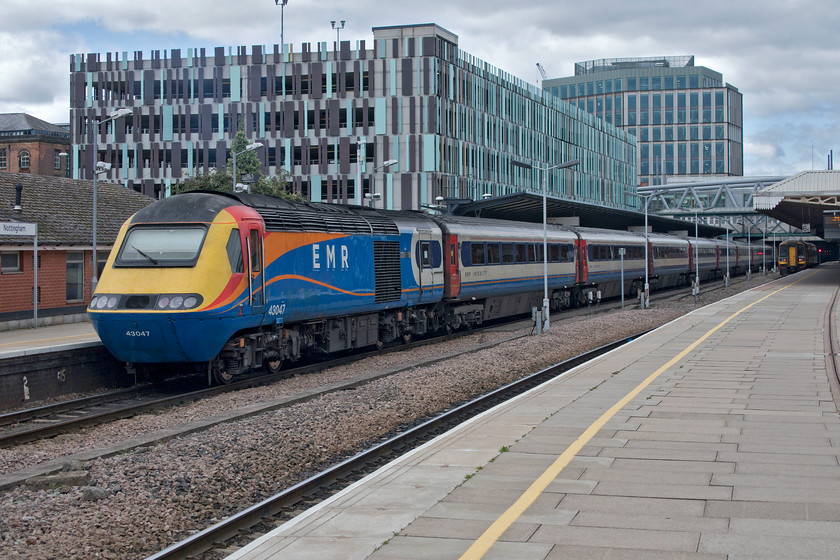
[[228, 283], [795, 255]]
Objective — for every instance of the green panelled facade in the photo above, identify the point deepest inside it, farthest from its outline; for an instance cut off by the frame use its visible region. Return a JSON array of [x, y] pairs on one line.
[[331, 117]]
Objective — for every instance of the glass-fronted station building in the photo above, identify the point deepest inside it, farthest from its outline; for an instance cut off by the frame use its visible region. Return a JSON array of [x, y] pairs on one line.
[[688, 122], [330, 117]]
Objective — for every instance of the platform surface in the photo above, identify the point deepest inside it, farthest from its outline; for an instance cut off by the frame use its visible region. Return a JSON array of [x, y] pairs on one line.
[[47, 339], [716, 436]]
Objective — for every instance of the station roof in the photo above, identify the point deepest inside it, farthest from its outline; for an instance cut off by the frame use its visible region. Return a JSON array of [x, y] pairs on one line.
[[802, 199], [63, 209], [527, 207]]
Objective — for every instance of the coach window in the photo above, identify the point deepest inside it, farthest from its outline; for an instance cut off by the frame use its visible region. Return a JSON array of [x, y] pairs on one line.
[[507, 253], [425, 254], [234, 252], [493, 253], [532, 253], [254, 246], [10, 262], [521, 253], [477, 253], [75, 275], [554, 252], [566, 253]]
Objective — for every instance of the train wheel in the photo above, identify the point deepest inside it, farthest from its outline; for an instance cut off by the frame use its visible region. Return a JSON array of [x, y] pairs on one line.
[[273, 366], [221, 375]]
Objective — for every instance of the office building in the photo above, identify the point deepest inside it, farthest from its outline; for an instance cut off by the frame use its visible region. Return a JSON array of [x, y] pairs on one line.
[[687, 120], [332, 115]]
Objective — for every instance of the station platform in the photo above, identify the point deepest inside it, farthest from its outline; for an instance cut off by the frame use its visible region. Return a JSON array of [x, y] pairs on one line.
[[67, 336], [716, 436]]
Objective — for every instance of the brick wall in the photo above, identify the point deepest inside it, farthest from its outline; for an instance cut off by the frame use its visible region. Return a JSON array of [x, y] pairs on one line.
[[42, 157], [16, 287]]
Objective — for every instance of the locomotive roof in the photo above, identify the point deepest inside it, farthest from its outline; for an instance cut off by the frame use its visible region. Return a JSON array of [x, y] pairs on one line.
[[278, 214]]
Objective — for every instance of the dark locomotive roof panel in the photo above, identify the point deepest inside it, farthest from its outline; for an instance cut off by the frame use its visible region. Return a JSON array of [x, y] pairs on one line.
[[277, 213]]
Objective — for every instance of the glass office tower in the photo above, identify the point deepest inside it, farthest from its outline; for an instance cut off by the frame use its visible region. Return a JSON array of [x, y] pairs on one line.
[[331, 115], [688, 122]]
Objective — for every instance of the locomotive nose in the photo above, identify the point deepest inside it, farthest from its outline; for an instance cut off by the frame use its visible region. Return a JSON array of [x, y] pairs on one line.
[[139, 338]]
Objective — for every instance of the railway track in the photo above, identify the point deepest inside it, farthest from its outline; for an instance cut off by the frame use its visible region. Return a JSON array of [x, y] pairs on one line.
[[241, 528], [47, 421]]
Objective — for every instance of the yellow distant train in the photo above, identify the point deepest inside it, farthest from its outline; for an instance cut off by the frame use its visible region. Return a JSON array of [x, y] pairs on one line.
[[797, 255]]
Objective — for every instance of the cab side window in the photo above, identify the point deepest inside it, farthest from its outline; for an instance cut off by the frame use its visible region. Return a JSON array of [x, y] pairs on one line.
[[234, 252]]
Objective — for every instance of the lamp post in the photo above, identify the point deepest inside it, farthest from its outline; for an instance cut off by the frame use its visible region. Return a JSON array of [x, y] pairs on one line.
[[749, 247], [696, 289], [726, 276], [248, 148], [545, 170], [374, 196], [647, 197], [764, 248], [357, 191], [338, 29], [282, 4], [97, 167]]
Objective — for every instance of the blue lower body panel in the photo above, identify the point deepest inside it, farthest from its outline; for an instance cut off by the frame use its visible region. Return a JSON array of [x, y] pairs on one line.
[[157, 338]]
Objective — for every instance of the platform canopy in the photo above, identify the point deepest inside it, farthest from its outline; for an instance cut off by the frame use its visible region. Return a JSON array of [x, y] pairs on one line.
[[527, 207], [802, 200]]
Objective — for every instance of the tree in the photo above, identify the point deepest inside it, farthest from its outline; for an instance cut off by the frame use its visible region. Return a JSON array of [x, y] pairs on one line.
[[221, 179]]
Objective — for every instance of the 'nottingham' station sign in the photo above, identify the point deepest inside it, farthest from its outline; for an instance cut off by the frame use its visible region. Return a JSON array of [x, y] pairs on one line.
[[18, 229]]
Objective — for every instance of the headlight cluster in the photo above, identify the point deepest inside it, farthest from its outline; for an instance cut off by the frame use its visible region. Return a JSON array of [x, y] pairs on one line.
[[176, 302], [145, 302], [104, 302]]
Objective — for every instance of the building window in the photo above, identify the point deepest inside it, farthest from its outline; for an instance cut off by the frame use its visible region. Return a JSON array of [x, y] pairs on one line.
[[24, 160], [3, 163], [75, 275], [57, 159], [10, 262]]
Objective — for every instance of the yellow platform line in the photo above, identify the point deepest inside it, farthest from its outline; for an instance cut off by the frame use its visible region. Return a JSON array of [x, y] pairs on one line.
[[480, 547]]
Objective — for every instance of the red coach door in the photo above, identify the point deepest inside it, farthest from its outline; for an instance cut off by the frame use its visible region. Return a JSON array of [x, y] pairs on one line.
[[583, 262], [451, 279]]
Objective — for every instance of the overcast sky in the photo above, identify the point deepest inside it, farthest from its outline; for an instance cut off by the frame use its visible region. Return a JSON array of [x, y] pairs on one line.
[[782, 55]]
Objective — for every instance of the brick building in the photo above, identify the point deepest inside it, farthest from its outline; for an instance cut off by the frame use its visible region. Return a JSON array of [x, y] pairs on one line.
[[62, 208], [30, 145]]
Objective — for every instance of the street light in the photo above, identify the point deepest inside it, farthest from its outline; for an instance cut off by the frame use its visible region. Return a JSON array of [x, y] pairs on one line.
[[696, 289], [282, 4], [545, 170], [338, 29], [374, 196], [647, 197], [248, 148], [97, 168]]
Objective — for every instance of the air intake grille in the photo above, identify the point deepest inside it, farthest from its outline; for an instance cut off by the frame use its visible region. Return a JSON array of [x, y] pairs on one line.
[[386, 262], [323, 218]]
